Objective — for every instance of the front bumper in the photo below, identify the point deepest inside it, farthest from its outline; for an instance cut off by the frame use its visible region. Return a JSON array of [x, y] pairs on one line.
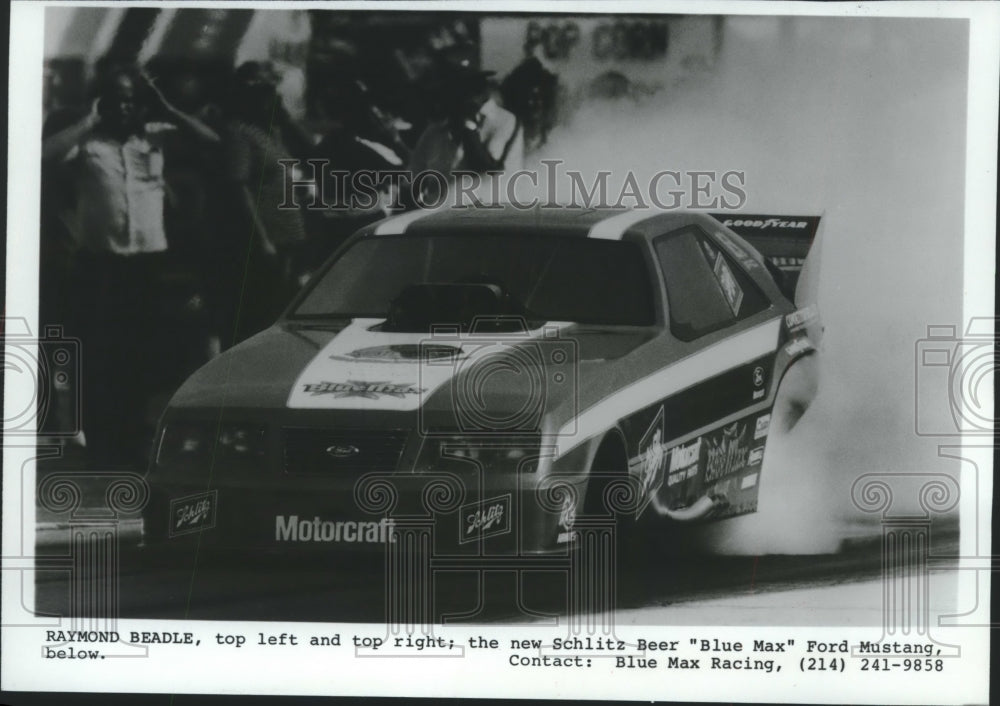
[[441, 514], [448, 505]]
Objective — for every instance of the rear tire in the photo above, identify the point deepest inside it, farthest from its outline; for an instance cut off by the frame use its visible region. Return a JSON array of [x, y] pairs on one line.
[[612, 497], [796, 393]]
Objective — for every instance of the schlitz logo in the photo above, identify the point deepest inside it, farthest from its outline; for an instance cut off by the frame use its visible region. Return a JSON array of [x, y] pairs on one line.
[[192, 513], [567, 519], [726, 454], [485, 519], [361, 388], [758, 376], [567, 515]]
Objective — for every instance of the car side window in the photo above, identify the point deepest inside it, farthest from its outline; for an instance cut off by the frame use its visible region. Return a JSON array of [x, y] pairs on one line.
[[706, 290]]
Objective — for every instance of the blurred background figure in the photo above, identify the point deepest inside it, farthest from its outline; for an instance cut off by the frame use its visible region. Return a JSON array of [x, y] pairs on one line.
[[258, 256], [361, 138], [531, 91], [471, 132], [122, 296]]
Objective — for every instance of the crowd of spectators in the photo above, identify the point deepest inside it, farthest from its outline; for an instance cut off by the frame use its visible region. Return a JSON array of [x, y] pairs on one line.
[[166, 232]]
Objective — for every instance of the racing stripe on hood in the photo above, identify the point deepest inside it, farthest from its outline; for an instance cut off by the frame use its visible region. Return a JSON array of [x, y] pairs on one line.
[[361, 368], [614, 228], [713, 360]]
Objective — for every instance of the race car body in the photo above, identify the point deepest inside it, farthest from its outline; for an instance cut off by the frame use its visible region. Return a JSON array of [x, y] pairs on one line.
[[495, 375]]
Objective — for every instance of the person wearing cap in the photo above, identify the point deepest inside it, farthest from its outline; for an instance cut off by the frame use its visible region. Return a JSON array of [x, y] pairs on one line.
[[474, 133]]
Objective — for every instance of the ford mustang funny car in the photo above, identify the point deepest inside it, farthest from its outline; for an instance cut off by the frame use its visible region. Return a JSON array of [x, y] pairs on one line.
[[501, 376]]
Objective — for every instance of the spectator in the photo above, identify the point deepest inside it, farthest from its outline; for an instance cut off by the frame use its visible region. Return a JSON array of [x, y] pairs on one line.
[[530, 91], [261, 254], [361, 139], [113, 160], [474, 132]]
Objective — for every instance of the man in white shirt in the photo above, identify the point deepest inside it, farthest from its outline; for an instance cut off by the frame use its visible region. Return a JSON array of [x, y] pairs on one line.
[[113, 160]]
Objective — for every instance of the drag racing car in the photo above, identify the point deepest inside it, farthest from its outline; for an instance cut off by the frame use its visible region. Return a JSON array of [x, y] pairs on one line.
[[499, 380]]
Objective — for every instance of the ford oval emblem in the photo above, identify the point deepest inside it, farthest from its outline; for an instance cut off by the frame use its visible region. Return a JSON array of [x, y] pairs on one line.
[[343, 450]]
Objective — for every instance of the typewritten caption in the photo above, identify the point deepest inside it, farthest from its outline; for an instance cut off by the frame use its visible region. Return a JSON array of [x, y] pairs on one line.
[[691, 653]]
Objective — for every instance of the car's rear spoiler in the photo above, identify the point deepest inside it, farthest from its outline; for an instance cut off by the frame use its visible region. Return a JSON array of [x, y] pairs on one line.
[[784, 241]]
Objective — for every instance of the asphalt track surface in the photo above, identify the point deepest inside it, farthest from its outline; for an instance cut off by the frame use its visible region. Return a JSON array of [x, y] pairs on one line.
[[325, 587]]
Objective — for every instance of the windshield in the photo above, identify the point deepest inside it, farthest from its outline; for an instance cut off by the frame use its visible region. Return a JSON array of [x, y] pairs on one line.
[[550, 278]]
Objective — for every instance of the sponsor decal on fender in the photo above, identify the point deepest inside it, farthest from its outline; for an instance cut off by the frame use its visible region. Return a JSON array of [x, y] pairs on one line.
[[684, 462], [756, 456], [684, 456], [799, 318], [486, 518], [650, 460], [761, 427], [193, 513], [682, 475], [292, 529], [759, 378], [360, 388], [726, 454], [798, 345]]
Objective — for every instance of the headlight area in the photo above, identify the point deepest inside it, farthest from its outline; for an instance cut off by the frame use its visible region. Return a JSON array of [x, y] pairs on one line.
[[203, 444], [522, 453]]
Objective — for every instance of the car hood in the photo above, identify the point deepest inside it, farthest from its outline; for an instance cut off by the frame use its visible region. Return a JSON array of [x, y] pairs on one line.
[[492, 379]]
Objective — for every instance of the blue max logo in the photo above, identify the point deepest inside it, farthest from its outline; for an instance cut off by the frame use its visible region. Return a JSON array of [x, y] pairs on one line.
[[360, 388]]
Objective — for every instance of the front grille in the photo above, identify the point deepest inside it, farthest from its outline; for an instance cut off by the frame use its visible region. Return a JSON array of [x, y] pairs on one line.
[[330, 451]]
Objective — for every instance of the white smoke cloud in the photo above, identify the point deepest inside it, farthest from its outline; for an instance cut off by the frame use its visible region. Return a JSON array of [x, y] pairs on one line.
[[862, 120]]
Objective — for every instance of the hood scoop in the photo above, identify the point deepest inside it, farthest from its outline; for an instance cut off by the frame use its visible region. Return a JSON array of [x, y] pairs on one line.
[[476, 307]]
